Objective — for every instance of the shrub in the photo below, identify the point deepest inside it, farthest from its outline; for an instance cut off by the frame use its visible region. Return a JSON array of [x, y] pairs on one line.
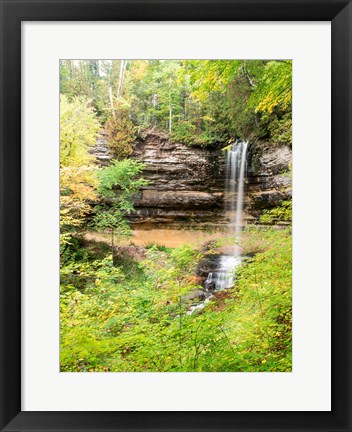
[[121, 134], [278, 214]]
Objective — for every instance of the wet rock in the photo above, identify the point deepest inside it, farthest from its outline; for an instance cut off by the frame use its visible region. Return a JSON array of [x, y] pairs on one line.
[[193, 295], [208, 264]]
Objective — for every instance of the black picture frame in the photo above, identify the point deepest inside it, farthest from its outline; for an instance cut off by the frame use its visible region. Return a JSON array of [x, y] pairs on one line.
[[13, 12]]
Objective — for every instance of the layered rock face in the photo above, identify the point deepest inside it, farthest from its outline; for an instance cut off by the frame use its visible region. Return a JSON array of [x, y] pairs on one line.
[[101, 151], [269, 178], [186, 184]]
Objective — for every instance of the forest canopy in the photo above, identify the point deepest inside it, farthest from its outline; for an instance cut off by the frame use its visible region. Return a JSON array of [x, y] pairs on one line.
[[198, 102]]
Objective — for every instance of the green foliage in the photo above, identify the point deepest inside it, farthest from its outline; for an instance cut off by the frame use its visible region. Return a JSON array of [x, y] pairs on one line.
[[274, 88], [153, 93], [242, 122], [79, 78], [121, 134], [248, 91], [133, 317], [80, 180], [263, 324], [239, 98], [209, 76], [278, 214], [158, 247], [78, 131], [185, 132], [118, 182], [198, 102], [281, 129], [111, 218], [123, 176]]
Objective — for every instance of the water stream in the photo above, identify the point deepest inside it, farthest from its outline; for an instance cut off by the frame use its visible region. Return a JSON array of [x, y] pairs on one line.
[[236, 166], [223, 276]]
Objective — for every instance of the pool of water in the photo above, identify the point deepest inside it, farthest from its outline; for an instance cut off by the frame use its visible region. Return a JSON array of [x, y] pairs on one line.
[[164, 237], [172, 237]]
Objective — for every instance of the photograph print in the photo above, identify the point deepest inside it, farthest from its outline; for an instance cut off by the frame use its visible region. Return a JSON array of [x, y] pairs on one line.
[[175, 215]]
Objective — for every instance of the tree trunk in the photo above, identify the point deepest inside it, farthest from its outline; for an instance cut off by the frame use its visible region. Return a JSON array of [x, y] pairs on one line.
[[112, 245], [121, 75], [170, 115], [247, 76], [111, 102]]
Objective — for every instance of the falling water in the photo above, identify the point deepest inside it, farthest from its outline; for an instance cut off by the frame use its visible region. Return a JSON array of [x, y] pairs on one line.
[[223, 277], [234, 188]]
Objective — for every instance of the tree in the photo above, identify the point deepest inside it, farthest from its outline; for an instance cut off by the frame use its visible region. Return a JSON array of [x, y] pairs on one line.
[[196, 101], [78, 130], [123, 64], [152, 91], [121, 132], [79, 78], [118, 184], [256, 96], [274, 88]]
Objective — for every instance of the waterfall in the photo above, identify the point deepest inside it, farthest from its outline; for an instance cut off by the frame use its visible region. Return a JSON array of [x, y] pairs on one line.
[[234, 188], [236, 166]]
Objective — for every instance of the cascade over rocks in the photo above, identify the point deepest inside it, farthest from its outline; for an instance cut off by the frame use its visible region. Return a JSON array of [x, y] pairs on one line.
[[186, 183]]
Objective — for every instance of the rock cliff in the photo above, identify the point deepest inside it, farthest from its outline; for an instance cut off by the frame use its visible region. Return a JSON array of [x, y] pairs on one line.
[[186, 184], [269, 178]]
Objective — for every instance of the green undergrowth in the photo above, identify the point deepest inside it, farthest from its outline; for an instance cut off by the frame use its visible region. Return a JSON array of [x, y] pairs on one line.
[[132, 315], [281, 213]]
